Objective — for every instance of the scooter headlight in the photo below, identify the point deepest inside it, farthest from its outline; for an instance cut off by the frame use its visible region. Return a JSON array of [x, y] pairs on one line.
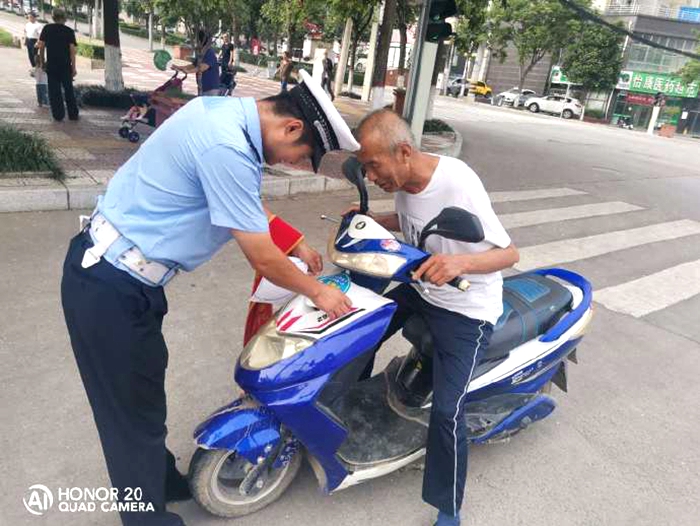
[[372, 263], [269, 347]]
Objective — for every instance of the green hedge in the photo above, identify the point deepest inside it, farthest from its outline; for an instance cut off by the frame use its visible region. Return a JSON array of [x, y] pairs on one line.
[[95, 95], [25, 152], [99, 96], [436, 126], [5, 38], [595, 114], [138, 31], [91, 51]]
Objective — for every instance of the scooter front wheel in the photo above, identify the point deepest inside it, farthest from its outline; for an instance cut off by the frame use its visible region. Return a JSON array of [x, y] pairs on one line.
[[216, 477]]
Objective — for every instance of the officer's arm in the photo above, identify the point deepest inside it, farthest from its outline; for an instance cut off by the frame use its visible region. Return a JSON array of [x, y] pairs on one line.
[[270, 262]]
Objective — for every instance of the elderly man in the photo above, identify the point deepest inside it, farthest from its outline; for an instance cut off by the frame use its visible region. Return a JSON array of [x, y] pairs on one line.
[[460, 323], [193, 186]]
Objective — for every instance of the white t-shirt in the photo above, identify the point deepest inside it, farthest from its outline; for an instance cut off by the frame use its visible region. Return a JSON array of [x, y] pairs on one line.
[[33, 30], [455, 184]]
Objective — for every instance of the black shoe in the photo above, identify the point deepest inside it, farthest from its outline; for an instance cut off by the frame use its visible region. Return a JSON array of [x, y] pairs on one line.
[[177, 488], [76, 118]]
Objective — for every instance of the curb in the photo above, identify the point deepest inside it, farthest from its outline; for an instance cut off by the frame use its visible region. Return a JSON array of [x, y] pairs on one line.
[[48, 195], [36, 194]]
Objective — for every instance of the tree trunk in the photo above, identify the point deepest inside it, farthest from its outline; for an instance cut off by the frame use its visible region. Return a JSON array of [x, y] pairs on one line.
[[403, 30], [522, 73], [113, 56], [380, 64], [351, 69], [150, 31], [162, 35]]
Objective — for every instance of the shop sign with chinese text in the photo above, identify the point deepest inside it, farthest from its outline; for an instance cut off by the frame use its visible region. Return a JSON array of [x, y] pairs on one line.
[[669, 85]]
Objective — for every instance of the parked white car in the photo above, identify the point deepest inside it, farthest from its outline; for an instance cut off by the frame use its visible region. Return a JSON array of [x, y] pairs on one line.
[[513, 96], [564, 106]]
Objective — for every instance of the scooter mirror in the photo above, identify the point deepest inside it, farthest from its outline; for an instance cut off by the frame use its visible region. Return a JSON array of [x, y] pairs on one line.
[[353, 172], [454, 223]]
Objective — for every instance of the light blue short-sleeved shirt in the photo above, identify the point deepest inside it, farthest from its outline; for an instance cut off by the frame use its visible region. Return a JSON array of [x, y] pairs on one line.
[[196, 177]]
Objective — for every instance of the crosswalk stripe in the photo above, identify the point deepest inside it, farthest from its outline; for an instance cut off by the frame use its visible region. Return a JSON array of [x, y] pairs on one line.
[[527, 195], [16, 110], [567, 250], [654, 292], [553, 215]]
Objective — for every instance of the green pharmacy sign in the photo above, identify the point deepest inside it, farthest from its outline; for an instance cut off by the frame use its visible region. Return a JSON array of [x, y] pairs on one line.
[[640, 82]]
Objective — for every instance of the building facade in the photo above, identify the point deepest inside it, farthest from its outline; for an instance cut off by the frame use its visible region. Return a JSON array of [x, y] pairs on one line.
[[648, 70]]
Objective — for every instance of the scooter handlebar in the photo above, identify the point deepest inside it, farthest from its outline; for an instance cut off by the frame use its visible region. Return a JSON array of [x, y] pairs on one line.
[[460, 283]]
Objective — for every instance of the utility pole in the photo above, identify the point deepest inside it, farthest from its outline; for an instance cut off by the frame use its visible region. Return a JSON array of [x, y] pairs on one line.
[[343, 60]]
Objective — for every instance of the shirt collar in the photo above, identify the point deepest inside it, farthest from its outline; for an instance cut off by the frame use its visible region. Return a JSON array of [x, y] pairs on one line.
[[252, 121]]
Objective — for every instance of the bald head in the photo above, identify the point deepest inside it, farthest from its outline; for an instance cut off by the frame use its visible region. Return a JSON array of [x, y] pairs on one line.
[[385, 127]]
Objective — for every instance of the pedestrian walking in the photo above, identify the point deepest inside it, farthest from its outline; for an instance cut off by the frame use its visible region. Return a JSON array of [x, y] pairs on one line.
[[327, 76], [206, 68], [32, 30], [285, 70], [57, 46]]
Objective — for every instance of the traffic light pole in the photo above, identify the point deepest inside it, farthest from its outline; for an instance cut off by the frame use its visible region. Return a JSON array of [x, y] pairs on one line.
[[416, 61]]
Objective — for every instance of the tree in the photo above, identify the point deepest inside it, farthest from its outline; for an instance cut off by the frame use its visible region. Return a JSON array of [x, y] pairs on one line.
[[382, 55], [288, 16], [471, 29], [113, 54], [691, 71], [406, 15], [536, 28], [592, 57], [360, 11]]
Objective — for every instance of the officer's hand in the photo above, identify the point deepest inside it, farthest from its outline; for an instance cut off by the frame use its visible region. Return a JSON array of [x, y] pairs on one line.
[[331, 301], [439, 269], [309, 256]]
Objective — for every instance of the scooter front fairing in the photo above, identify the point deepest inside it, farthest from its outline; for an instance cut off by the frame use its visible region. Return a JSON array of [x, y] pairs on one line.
[[284, 383]]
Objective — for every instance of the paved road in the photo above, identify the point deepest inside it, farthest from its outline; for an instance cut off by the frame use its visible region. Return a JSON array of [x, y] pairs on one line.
[[621, 449]]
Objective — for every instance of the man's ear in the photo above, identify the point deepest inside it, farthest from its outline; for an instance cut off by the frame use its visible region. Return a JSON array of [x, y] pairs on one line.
[[404, 151], [294, 129]]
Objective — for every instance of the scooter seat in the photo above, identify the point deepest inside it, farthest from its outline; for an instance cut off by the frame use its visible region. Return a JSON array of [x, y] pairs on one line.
[[532, 304]]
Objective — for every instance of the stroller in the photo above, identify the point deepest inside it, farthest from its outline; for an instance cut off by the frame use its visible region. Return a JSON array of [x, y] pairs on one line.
[[142, 111]]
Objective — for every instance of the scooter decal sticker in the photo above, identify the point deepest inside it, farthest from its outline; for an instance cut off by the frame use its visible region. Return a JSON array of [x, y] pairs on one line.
[[320, 329], [340, 281], [289, 323], [390, 244]]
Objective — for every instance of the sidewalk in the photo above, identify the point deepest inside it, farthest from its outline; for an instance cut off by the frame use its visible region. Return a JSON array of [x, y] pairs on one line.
[[90, 150]]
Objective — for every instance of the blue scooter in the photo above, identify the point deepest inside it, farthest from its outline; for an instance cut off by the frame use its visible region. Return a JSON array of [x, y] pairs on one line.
[[300, 372]]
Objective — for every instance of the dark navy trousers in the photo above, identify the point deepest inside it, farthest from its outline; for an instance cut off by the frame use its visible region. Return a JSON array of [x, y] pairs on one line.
[[458, 341], [114, 322]]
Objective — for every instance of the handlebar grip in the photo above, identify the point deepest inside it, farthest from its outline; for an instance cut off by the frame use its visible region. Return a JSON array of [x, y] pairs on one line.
[[460, 283]]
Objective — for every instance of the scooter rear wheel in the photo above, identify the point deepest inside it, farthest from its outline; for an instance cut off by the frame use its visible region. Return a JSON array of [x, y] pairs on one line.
[[216, 475]]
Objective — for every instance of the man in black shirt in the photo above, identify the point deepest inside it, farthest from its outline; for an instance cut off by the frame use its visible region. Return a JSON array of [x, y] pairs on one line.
[[58, 46]]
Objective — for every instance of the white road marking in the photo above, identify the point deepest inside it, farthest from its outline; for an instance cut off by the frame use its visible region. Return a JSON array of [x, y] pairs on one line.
[[654, 292], [568, 250], [527, 195], [15, 110], [553, 215]]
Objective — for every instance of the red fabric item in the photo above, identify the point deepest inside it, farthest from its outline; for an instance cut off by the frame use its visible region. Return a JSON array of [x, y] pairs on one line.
[[286, 237]]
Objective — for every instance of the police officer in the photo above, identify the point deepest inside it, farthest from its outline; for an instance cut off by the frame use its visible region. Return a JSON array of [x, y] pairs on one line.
[[191, 187]]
